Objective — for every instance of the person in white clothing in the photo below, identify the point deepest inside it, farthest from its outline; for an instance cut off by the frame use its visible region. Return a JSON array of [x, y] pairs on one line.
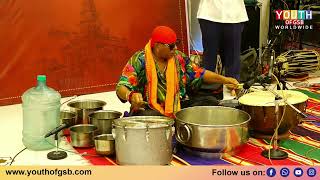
[[221, 23]]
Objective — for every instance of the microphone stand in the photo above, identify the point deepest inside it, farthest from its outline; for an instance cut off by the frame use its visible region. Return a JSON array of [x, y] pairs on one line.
[[56, 155], [275, 152]]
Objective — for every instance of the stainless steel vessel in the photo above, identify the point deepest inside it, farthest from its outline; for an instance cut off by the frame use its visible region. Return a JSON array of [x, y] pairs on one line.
[[104, 144], [103, 120], [83, 108], [143, 140], [214, 129], [82, 135]]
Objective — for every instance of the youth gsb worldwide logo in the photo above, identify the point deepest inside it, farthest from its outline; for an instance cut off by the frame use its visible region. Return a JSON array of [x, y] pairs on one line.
[[293, 19]]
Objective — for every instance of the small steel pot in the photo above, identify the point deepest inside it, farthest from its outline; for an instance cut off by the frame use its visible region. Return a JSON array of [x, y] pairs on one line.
[[103, 120], [104, 144], [82, 135], [83, 108]]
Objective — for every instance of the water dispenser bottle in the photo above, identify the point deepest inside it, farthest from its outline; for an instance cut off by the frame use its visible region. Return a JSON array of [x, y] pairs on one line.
[[41, 111]]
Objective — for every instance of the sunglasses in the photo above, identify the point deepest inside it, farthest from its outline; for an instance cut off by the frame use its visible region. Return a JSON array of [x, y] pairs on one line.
[[173, 45]]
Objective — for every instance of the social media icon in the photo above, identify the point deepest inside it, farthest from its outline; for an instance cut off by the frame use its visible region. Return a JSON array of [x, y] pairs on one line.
[[311, 172], [271, 172], [284, 172], [298, 172]]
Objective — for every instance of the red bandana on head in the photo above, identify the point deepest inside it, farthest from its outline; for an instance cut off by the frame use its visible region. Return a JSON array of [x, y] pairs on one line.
[[163, 34]]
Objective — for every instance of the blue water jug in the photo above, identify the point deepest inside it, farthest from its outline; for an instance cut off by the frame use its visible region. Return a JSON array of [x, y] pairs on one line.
[[41, 114]]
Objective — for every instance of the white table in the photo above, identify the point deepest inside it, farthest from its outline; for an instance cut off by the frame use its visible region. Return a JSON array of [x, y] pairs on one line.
[[11, 133]]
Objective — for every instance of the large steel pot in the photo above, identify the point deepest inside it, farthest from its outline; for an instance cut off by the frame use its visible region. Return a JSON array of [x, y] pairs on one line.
[[213, 129], [143, 140], [261, 107], [83, 108], [103, 120]]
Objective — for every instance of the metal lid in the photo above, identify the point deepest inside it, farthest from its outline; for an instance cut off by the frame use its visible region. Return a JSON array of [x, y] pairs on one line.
[[141, 122]]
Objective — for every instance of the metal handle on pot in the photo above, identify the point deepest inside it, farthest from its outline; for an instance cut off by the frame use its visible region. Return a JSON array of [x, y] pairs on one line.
[[147, 132], [113, 131], [186, 139], [169, 132], [173, 130], [124, 133]]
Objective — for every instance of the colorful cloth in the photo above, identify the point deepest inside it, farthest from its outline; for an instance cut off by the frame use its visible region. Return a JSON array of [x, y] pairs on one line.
[[134, 77], [313, 104]]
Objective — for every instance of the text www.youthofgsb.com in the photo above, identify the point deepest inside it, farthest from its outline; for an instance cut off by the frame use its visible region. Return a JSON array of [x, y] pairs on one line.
[[53, 172]]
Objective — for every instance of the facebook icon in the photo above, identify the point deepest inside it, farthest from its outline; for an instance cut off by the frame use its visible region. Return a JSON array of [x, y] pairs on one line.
[[271, 172]]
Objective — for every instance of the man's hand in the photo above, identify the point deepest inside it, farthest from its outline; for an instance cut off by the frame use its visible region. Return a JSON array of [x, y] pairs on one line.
[[137, 100], [231, 83]]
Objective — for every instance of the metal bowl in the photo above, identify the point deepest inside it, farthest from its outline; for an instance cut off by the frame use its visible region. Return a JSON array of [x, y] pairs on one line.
[[68, 118], [104, 144], [83, 108], [103, 120], [213, 129], [82, 135]]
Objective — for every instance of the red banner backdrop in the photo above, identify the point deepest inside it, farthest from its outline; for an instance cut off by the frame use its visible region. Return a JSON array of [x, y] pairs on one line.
[[81, 45]]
